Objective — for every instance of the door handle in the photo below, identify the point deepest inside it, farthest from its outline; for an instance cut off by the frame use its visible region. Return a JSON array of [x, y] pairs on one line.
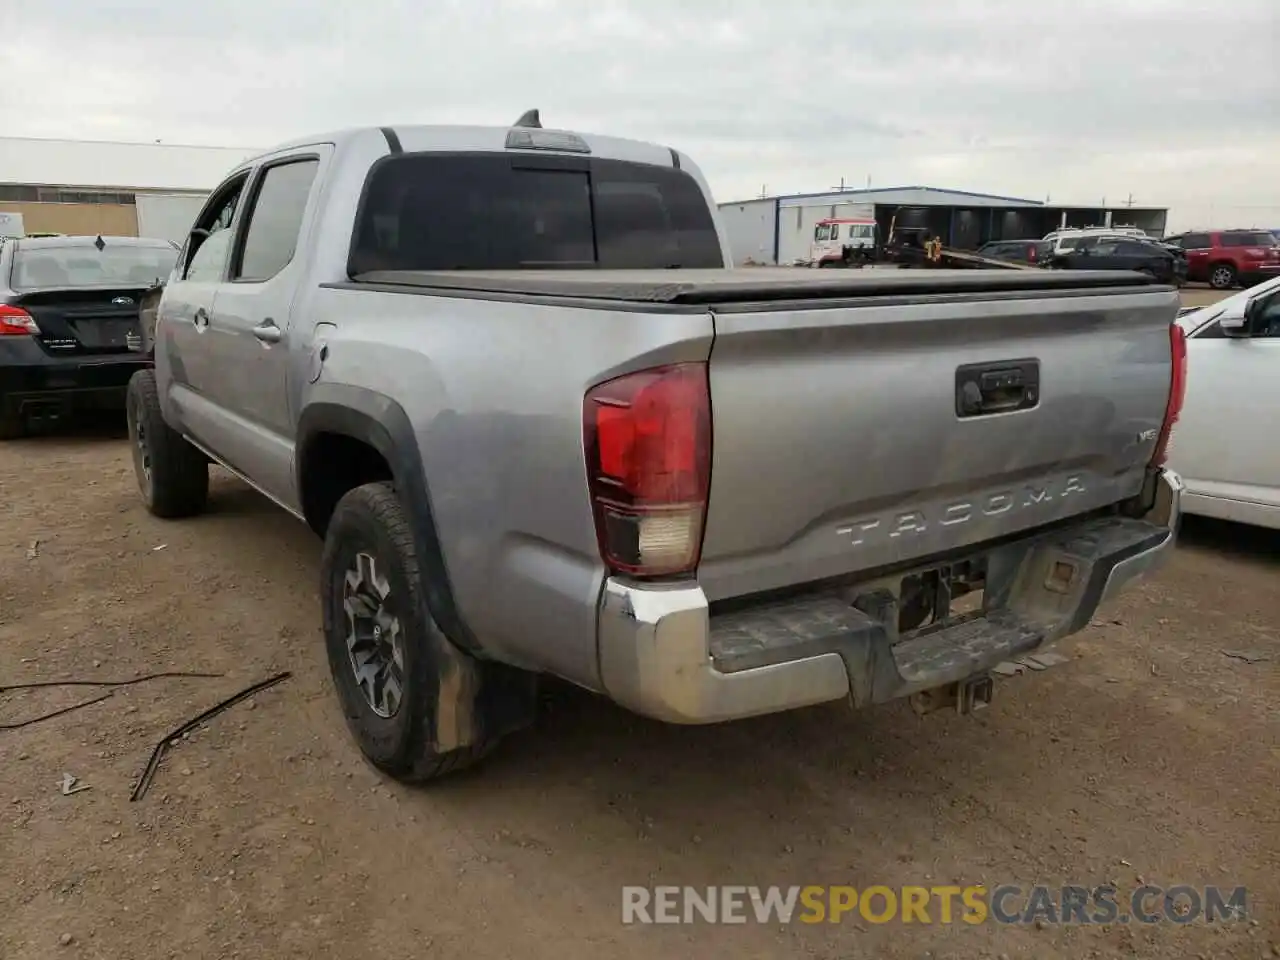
[[201, 319], [268, 332]]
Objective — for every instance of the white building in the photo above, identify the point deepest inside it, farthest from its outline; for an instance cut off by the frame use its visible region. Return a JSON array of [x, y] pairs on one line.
[[780, 229], [109, 187]]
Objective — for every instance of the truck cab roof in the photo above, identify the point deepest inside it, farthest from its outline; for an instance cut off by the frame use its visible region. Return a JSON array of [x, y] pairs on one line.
[[421, 138]]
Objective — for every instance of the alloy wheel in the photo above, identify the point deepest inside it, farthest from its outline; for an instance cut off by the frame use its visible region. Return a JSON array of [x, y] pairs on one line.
[[141, 447], [375, 638]]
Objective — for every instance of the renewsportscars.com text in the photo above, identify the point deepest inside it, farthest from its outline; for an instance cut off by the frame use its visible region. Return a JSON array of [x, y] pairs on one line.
[[1007, 904]]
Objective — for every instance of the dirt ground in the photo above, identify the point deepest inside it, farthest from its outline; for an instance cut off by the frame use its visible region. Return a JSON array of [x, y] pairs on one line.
[[1150, 756], [1200, 295]]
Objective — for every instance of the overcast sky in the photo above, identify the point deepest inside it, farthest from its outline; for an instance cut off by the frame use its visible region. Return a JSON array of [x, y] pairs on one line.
[[1176, 102]]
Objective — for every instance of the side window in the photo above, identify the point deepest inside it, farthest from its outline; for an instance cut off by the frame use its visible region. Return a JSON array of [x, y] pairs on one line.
[[214, 219], [1196, 241], [1268, 324], [1248, 239], [1069, 243], [275, 219], [1104, 248], [821, 232], [210, 258]]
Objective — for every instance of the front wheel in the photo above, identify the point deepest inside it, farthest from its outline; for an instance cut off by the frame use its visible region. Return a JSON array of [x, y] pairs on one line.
[[173, 476], [409, 696]]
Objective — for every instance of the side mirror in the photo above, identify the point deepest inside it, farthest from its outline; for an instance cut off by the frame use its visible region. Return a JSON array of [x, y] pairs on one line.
[[1236, 324]]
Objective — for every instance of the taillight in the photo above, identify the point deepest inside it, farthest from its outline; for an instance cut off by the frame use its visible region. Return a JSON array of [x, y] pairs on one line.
[[1031, 254], [648, 444], [16, 322], [1177, 392]]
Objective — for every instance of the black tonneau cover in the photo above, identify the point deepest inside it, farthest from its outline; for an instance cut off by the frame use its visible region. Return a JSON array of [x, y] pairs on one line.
[[749, 284]]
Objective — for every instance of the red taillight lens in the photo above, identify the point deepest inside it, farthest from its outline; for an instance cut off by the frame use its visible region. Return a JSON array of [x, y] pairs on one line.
[[16, 322], [1177, 392], [648, 444], [1031, 254]]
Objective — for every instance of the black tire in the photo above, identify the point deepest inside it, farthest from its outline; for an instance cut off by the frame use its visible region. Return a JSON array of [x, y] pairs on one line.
[[1222, 276], [173, 476], [370, 521]]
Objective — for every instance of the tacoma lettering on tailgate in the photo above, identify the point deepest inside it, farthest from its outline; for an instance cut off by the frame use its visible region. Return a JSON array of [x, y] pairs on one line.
[[892, 526]]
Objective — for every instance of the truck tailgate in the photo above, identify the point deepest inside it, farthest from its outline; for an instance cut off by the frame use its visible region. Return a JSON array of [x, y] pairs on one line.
[[860, 434]]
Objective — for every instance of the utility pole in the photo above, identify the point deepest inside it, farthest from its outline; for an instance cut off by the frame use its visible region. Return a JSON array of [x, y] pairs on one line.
[[840, 188], [1129, 202]]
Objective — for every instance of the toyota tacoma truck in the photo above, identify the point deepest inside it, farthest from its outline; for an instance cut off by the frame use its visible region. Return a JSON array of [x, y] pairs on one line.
[[543, 430]]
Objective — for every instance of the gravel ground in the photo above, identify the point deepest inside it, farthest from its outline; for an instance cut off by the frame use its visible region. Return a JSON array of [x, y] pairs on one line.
[[1149, 756]]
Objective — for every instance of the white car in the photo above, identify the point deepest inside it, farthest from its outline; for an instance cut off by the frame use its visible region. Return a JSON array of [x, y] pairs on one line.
[[1068, 238], [1224, 444]]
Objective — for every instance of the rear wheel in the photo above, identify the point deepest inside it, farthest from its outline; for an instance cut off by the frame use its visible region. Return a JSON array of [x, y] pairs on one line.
[[1222, 276], [410, 697], [173, 476]]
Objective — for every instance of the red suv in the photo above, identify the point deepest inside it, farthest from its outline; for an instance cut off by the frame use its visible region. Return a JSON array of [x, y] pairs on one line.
[[1223, 258]]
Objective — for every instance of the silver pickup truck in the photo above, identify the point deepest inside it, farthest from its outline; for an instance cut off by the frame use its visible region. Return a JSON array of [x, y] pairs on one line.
[[542, 430]]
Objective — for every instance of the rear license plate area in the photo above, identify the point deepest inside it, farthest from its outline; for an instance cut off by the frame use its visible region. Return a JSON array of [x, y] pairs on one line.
[[943, 595], [113, 334]]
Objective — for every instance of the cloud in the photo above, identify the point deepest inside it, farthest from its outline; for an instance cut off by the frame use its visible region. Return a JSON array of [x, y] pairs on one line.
[[1077, 100]]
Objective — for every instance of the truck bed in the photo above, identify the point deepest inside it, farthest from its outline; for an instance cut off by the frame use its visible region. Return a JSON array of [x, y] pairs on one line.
[[754, 284], [843, 442]]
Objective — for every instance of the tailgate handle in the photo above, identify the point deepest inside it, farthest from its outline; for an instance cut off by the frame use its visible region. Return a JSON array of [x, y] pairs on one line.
[[999, 387]]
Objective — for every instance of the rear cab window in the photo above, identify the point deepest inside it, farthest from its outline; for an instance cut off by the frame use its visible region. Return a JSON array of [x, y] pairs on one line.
[[490, 211]]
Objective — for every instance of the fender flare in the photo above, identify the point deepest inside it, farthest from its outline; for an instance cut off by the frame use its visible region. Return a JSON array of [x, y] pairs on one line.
[[376, 419]]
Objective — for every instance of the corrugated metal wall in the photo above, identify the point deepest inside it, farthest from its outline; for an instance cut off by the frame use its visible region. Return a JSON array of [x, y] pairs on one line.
[[750, 228]]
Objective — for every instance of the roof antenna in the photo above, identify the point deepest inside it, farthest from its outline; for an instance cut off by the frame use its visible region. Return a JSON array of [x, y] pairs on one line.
[[530, 118]]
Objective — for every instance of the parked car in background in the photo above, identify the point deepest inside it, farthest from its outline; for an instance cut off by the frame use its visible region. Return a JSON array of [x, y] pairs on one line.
[[69, 333], [1122, 253], [1224, 445], [1016, 251], [1224, 258], [1066, 239]]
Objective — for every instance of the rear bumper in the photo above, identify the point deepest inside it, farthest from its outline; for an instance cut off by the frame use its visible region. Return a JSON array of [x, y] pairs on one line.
[[38, 386], [664, 655]]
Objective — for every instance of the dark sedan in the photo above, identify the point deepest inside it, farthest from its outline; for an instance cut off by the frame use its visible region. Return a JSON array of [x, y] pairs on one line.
[[69, 323], [1124, 253], [1016, 251]]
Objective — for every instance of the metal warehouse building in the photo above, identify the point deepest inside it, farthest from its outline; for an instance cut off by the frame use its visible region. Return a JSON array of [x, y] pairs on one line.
[[107, 187], [780, 229]]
